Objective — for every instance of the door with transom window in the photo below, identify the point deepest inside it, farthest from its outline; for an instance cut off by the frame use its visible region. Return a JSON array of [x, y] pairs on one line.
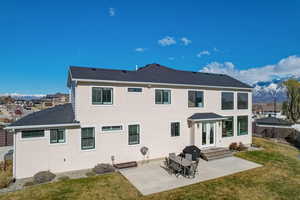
[[208, 134]]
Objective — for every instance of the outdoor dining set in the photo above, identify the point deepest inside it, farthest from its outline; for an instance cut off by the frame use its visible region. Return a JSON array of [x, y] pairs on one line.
[[182, 165]]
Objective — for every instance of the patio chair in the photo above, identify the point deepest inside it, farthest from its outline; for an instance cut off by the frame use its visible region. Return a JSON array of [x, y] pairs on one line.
[[172, 155], [188, 156], [167, 165], [176, 169], [193, 170]]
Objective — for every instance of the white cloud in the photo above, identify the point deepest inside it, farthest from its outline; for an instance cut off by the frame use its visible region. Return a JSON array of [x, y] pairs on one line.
[[289, 66], [215, 49], [140, 49], [22, 95], [111, 12], [185, 41], [167, 41], [171, 58], [202, 53]]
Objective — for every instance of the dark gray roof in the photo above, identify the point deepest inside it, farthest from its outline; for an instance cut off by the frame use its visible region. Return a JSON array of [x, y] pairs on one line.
[[273, 121], [155, 73], [205, 116], [62, 114]]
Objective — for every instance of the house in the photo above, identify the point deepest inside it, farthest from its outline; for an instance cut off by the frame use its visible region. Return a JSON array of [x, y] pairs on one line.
[[263, 110], [6, 139], [272, 127], [112, 114]]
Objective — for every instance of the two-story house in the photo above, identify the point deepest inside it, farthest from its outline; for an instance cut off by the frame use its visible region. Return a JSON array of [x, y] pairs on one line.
[[113, 113]]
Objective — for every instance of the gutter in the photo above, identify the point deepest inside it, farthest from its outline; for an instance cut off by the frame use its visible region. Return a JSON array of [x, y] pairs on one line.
[[212, 119], [168, 84], [41, 126]]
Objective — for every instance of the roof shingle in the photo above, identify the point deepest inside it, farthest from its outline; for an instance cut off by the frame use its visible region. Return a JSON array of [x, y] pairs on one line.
[[155, 73], [62, 114], [206, 116]]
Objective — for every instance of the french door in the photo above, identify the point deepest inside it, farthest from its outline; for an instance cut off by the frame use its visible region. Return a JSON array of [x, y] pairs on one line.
[[208, 134]]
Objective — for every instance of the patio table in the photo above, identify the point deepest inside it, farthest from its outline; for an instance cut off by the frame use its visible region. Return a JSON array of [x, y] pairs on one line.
[[181, 161]]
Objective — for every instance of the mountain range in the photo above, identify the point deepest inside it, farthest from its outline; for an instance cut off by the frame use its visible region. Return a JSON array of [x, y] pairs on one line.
[[264, 91]]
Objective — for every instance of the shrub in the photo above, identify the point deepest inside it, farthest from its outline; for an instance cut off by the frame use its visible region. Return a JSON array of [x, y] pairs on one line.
[[233, 146], [242, 147], [29, 183], [43, 177], [103, 168], [5, 175], [63, 178], [88, 174]]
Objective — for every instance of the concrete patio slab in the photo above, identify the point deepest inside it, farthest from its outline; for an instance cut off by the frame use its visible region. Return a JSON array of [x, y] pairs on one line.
[[151, 177]]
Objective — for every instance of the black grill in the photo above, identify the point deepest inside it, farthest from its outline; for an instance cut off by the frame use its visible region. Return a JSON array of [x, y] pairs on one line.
[[195, 151]]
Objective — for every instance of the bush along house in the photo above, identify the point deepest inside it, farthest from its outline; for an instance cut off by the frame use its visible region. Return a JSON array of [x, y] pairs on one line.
[[112, 114]]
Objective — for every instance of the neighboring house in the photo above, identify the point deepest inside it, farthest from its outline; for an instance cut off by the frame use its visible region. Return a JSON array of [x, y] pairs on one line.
[[272, 127], [6, 138], [262, 110], [114, 113]]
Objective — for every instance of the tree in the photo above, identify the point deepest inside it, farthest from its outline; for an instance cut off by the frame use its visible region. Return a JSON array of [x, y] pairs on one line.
[[292, 106]]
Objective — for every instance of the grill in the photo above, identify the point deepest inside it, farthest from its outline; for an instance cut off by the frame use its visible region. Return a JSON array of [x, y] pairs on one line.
[[195, 151]]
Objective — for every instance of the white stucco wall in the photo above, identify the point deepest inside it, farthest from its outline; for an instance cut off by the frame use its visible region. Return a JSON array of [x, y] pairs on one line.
[[33, 155]]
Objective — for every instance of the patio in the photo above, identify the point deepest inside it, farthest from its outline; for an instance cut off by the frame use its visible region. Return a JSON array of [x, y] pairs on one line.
[[151, 177]]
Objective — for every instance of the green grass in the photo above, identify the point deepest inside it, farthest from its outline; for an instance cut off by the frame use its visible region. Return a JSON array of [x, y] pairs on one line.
[[279, 178], [5, 175]]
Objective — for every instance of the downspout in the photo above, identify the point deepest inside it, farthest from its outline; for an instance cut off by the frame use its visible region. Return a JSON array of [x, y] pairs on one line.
[[15, 154]]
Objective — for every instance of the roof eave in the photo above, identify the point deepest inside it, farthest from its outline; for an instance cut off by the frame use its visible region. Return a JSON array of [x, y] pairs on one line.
[[42, 126], [209, 119], [156, 83]]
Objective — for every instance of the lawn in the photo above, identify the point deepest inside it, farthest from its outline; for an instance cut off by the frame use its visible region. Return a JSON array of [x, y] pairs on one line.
[[279, 178]]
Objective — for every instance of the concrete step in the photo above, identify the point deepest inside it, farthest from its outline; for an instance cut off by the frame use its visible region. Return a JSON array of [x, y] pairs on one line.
[[215, 153], [217, 157]]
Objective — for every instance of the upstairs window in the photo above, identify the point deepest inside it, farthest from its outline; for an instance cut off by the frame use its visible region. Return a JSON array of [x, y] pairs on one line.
[[242, 125], [87, 138], [195, 99], [242, 100], [227, 101], [228, 127], [175, 129], [111, 128], [102, 96], [135, 90], [57, 136], [162, 96], [33, 134]]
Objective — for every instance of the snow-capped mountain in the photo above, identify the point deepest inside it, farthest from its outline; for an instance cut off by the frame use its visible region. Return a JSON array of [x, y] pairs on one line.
[[265, 91], [24, 96]]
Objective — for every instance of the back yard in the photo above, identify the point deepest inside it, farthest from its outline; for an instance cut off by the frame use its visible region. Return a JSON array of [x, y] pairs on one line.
[[279, 178]]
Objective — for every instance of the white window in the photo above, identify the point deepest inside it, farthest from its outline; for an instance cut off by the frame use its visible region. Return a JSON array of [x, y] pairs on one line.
[[57, 136], [112, 128], [102, 96], [162, 96], [133, 134]]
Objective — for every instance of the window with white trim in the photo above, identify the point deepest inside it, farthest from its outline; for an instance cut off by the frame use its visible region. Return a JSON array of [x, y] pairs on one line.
[[57, 136], [242, 125], [87, 138], [102, 96], [133, 134], [162, 96], [112, 128], [242, 100], [227, 100], [195, 98], [175, 129], [134, 89], [33, 134]]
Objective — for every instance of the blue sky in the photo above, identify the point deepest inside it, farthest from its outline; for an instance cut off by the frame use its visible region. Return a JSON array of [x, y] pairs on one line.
[[253, 40]]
